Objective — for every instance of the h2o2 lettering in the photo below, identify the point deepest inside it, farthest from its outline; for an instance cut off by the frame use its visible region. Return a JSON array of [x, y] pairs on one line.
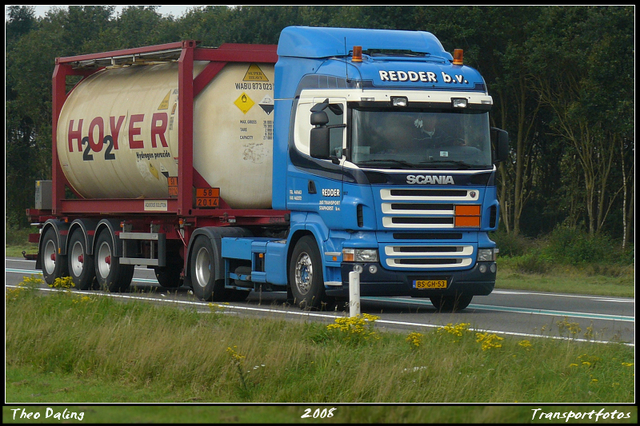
[[108, 155]]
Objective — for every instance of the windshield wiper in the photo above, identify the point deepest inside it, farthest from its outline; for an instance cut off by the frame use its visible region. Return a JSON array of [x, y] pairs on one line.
[[403, 163], [462, 164], [407, 165]]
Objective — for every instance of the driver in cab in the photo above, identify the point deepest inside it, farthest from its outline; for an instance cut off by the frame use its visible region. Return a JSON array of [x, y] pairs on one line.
[[433, 130]]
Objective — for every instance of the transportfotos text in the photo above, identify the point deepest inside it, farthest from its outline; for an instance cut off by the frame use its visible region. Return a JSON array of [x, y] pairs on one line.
[[603, 414]]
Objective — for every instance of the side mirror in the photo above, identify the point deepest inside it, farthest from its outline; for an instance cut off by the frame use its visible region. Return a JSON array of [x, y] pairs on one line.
[[319, 137], [319, 143], [500, 142]]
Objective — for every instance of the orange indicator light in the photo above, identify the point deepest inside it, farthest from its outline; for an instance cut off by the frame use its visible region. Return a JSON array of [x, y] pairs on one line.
[[357, 54], [467, 216], [467, 222], [468, 210], [457, 57]]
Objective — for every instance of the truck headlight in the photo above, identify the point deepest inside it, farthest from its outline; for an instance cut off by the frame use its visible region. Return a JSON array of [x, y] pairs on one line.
[[359, 255], [487, 255]]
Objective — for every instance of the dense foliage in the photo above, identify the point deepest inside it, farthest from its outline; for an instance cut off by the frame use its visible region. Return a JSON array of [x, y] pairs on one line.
[[562, 79]]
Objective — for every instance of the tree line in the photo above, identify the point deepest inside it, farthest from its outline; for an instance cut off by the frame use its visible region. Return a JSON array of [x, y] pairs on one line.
[[562, 80]]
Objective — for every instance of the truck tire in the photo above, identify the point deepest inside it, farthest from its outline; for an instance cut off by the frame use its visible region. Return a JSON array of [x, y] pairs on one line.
[[235, 295], [54, 265], [305, 275], [168, 276], [202, 271], [80, 264], [110, 274], [451, 303]]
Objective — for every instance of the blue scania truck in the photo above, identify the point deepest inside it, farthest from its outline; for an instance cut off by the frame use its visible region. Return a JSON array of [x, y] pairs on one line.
[[276, 168]]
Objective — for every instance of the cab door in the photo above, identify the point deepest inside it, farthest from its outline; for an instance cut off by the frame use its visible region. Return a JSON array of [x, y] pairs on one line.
[[316, 184]]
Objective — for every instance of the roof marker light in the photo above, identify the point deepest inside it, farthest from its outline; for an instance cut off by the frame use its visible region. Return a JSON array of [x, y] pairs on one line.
[[458, 57], [357, 54]]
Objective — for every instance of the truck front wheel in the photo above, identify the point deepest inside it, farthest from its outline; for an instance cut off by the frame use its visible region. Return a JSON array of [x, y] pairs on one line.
[[451, 303], [305, 275]]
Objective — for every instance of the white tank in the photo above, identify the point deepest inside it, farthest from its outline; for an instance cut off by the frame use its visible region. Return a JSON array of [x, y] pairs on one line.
[[118, 133]]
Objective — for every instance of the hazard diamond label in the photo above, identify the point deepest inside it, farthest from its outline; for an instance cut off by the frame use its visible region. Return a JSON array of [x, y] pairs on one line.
[[254, 73], [244, 102], [266, 104]]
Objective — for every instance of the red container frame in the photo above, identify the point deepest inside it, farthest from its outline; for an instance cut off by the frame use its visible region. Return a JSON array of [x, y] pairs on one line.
[[181, 208]]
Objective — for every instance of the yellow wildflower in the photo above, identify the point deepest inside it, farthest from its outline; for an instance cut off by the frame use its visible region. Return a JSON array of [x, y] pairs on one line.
[[414, 339], [489, 341]]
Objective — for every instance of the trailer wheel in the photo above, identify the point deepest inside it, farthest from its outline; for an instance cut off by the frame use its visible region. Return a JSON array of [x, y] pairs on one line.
[[54, 265], [451, 303], [81, 265], [110, 274], [305, 275]]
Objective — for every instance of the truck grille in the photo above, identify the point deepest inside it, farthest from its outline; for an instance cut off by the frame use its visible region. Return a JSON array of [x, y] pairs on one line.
[[426, 257], [422, 208], [416, 210]]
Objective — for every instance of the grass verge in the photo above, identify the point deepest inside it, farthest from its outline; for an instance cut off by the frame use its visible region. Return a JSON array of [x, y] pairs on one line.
[[68, 348], [588, 279]]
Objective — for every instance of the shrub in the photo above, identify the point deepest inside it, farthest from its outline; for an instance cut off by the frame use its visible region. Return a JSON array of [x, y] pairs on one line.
[[577, 247], [511, 245], [532, 263], [15, 235]]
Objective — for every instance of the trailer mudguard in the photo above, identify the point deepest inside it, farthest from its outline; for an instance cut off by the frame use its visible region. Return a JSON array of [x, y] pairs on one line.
[[61, 229], [88, 227]]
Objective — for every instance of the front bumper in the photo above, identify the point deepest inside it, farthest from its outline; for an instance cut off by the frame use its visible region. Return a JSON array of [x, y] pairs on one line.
[[391, 283]]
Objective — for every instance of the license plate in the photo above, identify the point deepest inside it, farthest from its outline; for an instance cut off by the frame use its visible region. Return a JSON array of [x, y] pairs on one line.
[[430, 284]]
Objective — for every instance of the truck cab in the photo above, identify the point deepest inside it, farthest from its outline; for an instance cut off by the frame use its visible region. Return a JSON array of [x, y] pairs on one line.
[[383, 147]]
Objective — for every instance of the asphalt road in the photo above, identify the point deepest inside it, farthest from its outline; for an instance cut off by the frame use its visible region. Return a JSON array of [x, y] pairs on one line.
[[507, 312]]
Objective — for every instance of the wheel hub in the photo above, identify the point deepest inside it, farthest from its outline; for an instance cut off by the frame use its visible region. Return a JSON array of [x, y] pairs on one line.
[[304, 273], [203, 267]]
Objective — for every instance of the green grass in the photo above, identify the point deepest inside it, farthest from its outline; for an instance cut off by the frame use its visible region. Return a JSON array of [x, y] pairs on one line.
[[592, 279], [96, 349], [71, 349], [16, 250]]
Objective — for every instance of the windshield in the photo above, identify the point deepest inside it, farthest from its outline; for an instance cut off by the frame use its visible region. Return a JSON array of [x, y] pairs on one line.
[[412, 138]]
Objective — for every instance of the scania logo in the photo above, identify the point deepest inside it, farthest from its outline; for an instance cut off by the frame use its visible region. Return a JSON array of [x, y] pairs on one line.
[[429, 180]]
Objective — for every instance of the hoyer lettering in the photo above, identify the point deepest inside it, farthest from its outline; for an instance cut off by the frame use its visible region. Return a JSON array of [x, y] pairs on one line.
[[96, 131]]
